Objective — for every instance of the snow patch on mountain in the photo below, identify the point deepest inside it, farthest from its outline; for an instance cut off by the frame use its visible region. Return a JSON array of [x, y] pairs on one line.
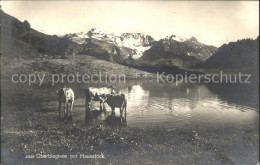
[[140, 51], [97, 34], [82, 35], [78, 38], [138, 42], [180, 38]]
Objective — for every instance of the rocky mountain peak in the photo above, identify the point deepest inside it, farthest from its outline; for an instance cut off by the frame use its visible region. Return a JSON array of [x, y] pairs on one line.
[[137, 42], [180, 38], [96, 33], [96, 30]]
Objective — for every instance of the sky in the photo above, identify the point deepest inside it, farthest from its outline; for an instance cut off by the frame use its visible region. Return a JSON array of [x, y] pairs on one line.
[[211, 22]]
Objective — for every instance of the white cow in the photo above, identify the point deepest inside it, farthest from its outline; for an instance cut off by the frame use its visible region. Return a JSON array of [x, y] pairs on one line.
[[66, 96], [98, 94]]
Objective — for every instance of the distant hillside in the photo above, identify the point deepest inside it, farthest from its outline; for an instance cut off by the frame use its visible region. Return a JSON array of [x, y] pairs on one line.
[[240, 54], [177, 51], [18, 34], [20, 40]]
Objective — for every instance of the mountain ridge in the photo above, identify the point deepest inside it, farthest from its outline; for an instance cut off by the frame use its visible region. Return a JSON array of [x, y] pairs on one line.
[[138, 42], [239, 54], [178, 51], [111, 47]]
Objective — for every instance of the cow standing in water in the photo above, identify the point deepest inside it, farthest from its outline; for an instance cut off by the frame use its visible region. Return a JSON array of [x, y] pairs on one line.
[[117, 101], [98, 94], [66, 96]]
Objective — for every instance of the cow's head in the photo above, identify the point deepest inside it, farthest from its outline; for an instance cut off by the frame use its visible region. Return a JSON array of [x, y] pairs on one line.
[[112, 88], [60, 92]]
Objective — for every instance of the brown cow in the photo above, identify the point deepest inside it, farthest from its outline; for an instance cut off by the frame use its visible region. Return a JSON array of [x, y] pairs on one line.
[[117, 101]]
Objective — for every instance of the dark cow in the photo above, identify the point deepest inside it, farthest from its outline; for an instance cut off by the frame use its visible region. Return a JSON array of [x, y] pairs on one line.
[[117, 101], [66, 96], [98, 94]]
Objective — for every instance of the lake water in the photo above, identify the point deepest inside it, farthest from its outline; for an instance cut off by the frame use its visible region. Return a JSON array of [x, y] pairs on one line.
[[185, 106], [222, 115]]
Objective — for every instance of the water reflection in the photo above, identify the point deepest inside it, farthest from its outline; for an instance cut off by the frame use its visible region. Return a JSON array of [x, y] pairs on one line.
[[116, 121], [110, 118], [95, 115], [188, 106], [239, 94], [136, 95]]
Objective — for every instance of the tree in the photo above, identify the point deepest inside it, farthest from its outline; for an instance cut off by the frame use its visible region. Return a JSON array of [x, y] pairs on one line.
[[26, 24]]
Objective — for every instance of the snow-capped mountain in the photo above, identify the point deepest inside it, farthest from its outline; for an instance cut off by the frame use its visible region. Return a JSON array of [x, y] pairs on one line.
[[190, 45], [99, 34], [78, 38], [178, 38], [138, 42], [172, 50]]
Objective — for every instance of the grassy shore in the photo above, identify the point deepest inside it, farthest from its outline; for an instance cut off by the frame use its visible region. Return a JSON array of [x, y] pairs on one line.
[[72, 65], [29, 132]]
